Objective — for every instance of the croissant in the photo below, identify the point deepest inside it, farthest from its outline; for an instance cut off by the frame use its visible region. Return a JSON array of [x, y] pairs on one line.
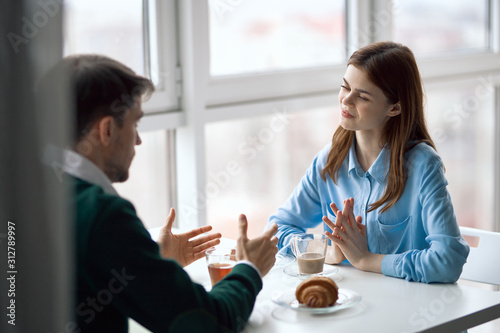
[[317, 292]]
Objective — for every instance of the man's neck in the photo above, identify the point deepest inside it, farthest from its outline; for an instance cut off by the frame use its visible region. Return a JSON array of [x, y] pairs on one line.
[[81, 167], [94, 155]]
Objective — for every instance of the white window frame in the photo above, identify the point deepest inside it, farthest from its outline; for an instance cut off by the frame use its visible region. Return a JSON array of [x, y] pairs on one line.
[[207, 99], [163, 110]]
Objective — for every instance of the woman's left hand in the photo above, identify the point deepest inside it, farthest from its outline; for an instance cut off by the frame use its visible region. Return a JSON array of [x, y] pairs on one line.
[[349, 234]]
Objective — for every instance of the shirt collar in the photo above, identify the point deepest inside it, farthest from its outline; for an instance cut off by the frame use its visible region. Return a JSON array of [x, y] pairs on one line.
[[353, 160], [379, 168], [78, 166]]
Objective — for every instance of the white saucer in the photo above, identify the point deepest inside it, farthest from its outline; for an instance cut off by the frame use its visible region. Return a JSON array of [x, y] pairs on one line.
[[293, 270]]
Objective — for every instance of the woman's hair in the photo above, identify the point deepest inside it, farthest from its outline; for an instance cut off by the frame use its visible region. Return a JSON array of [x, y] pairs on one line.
[[392, 68]]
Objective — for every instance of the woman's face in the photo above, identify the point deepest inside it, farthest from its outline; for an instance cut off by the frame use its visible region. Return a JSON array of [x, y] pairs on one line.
[[363, 105]]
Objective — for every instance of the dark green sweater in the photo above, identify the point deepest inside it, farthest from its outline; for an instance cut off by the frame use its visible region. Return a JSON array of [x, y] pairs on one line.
[[120, 274]]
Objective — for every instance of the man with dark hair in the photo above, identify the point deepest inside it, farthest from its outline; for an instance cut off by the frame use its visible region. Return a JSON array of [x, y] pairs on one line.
[[121, 271]]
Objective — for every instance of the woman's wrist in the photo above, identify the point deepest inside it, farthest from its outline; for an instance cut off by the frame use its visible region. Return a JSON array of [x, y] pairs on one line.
[[372, 263]]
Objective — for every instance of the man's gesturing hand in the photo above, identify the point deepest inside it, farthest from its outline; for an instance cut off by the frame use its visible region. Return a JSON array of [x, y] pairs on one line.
[[182, 247], [260, 251]]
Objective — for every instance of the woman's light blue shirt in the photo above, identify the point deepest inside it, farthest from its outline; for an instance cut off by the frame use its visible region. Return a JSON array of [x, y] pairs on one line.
[[419, 234]]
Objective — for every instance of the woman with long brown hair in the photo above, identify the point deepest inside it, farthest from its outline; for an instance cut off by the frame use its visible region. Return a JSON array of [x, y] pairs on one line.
[[382, 165]]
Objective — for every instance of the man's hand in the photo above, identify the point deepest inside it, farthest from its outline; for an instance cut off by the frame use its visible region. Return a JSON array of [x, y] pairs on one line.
[[182, 247], [260, 251], [349, 234]]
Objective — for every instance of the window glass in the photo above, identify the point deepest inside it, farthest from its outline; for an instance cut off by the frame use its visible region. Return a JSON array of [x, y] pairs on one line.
[[263, 35], [112, 27], [256, 170], [431, 28], [148, 186], [461, 122]]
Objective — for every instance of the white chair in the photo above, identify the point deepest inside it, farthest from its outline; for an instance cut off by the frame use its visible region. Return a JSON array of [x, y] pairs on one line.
[[482, 263], [482, 266]]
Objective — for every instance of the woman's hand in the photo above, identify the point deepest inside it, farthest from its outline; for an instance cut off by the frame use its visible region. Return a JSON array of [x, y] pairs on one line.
[[182, 247], [333, 253], [349, 234]]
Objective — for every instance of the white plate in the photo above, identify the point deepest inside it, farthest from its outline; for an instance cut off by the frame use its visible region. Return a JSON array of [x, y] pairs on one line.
[[293, 270], [347, 298]]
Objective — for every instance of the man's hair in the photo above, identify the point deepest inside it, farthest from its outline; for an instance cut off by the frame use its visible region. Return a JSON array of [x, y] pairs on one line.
[[100, 87]]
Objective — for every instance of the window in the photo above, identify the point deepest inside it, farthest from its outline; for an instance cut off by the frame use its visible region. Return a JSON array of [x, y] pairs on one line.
[[256, 170], [263, 35], [461, 120], [265, 174], [113, 28], [139, 33], [243, 61], [432, 28], [150, 185]]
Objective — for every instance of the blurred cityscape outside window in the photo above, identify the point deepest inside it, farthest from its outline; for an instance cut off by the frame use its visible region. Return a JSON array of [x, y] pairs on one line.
[[432, 28], [265, 35]]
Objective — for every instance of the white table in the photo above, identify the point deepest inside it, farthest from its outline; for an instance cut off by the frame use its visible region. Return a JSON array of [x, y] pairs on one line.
[[387, 305]]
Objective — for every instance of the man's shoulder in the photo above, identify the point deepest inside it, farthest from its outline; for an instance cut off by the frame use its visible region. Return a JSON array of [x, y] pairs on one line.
[[89, 191], [93, 202], [99, 214]]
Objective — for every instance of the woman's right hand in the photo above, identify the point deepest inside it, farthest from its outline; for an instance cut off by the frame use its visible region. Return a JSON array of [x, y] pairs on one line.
[[334, 254]]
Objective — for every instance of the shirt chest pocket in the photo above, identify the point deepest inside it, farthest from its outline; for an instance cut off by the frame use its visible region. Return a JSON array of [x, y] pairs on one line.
[[390, 236]]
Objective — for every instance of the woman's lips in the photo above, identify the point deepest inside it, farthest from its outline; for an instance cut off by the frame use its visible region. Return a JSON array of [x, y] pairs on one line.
[[345, 114]]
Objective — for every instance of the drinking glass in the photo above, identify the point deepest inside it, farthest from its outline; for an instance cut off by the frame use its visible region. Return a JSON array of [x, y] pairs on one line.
[[220, 262], [310, 251]]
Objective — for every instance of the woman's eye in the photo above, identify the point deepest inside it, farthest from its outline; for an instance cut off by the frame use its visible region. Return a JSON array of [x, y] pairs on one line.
[[344, 87], [363, 98]]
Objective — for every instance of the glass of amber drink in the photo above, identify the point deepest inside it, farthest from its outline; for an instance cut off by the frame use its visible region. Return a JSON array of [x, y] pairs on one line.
[[220, 262]]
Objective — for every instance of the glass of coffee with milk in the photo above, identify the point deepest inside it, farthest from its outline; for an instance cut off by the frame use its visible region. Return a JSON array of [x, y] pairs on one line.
[[310, 251]]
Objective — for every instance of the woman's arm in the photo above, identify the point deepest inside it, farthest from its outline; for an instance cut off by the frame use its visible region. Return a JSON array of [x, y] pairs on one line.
[[301, 211], [447, 252]]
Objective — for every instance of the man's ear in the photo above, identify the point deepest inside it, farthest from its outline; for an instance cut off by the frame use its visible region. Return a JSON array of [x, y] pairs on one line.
[[395, 110], [106, 127]]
